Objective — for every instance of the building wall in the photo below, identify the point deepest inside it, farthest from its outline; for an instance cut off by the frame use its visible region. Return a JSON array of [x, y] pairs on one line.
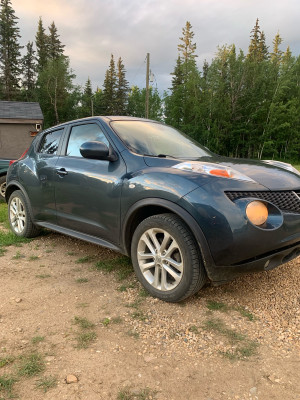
[[15, 138]]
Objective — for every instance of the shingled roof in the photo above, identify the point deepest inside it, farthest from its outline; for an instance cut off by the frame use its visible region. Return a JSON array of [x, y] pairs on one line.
[[20, 110]]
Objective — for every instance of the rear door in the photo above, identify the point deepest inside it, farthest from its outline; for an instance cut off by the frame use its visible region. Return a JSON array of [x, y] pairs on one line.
[[88, 192]]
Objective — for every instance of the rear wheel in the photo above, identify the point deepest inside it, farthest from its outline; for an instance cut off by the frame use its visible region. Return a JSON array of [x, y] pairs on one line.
[[166, 258], [2, 187], [19, 216]]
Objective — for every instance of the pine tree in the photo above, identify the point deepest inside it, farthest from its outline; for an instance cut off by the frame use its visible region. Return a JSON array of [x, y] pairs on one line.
[[10, 55], [42, 44], [258, 50], [276, 55], [29, 73], [109, 91], [55, 47], [87, 105], [122, 89]]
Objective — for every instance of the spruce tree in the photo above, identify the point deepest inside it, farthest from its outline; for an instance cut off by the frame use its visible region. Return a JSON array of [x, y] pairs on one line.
[[42, 45], [10, 55], [29, 73], [122, 89], [86, 109], [55, 47], [109, 91]]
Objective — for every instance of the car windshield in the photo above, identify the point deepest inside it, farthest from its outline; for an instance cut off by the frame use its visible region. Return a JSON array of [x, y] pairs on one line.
[[158, 140]]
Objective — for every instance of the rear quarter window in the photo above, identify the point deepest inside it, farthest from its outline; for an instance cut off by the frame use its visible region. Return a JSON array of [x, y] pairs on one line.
[[50, 142]]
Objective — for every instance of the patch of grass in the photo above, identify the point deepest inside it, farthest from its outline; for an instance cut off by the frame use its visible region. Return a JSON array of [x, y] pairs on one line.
[[121, 266], [6, 384], [105, 321], [135, 304], [116, 320], [84, 323], [18, 255], [46, 382], [10, 239], [194, 329], [130, 394], [2, 251], [37, 339], [33, 258], [3, 213], [6, 361], [217, 306], [245, 348], [84, 339], [138, 314], [124, 287], [218, 325], [48, 251], [82, 305], [43, 276], [85, 259], [133, 334], [143, 293], [82, 280], [245, 313], [31, 364], [71, 253]]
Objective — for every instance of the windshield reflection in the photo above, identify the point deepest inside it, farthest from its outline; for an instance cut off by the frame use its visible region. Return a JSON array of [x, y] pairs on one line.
[[158, 140]]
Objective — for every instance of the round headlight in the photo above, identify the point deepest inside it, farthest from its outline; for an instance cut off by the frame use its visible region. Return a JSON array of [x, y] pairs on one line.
[[257, 212]]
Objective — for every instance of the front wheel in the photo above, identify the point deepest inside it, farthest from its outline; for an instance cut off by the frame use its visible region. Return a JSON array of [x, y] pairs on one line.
[[19, 216], [166, 258], [2, 187]]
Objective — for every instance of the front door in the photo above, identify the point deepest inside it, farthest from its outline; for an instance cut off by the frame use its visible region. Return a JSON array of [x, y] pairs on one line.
[[88, 192]]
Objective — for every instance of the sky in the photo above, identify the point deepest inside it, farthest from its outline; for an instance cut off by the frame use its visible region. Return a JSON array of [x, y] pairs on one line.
[[92, 30]]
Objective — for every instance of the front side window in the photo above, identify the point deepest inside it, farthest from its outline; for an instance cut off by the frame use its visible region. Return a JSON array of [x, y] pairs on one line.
[[81, 134], [50, 141]]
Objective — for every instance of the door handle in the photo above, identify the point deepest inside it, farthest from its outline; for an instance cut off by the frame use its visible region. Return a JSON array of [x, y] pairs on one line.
[[61, 172]]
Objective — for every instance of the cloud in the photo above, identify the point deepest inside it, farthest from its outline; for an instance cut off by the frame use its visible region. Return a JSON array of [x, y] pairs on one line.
[[94, 29]]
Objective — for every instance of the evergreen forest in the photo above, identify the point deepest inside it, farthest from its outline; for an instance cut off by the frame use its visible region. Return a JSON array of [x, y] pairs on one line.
[[239, 104]]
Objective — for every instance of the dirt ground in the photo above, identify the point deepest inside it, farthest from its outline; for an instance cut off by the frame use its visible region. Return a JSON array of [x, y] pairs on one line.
[[94, 322]]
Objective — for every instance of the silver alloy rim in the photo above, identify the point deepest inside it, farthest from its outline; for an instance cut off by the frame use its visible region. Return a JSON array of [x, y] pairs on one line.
[[160, 259], [2, 189], [17, 215]]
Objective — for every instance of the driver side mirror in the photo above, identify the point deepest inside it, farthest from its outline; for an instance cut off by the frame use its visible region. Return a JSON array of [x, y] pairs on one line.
[[97, 151]]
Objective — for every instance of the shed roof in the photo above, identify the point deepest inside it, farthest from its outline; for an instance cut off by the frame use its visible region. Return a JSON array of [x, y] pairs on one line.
[[20, 110]]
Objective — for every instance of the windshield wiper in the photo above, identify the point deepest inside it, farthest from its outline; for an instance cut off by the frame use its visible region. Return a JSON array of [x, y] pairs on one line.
[[160, 155]]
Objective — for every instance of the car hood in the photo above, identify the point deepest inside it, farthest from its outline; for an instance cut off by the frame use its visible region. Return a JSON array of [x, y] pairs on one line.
[[270, 176]]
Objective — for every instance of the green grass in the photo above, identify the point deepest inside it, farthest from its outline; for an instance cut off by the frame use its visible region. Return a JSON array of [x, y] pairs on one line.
[[129, 394], [84, 339], [6, 384], [33, 258], [37, 339], [133, 334], [244, 347], [194, 329], [6, 361], [43, 276], [121, 266], [124, 287], [18, 256], [219, 306], [3, 213], [83, 323], [10, 239], [46, 382], [138, 314], [31, 364], [105, 321], [216, 306], [2, 251], [85, 259], [82, 280]]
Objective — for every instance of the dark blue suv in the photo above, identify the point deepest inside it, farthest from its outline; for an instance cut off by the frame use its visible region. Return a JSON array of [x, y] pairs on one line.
[[183, 214]]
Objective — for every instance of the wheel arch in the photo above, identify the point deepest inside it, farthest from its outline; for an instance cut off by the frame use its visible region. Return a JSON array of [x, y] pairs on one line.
[[151, 206], [12, 187]]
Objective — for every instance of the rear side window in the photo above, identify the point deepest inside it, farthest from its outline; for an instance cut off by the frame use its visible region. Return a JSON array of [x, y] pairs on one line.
[[84, 133], [50, 142]]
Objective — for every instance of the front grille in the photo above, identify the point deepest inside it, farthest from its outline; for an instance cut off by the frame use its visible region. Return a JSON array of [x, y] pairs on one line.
[[287, 201]]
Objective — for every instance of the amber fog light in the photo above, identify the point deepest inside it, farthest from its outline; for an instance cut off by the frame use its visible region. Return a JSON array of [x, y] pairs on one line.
[[257, 212]]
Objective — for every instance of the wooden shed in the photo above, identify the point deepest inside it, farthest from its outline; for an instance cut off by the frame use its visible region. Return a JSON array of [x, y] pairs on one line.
[[19, 123]]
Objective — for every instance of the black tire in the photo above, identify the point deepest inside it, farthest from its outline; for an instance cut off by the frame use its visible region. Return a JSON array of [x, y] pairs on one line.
[[19, 216], [165, 249], [2, 187]]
